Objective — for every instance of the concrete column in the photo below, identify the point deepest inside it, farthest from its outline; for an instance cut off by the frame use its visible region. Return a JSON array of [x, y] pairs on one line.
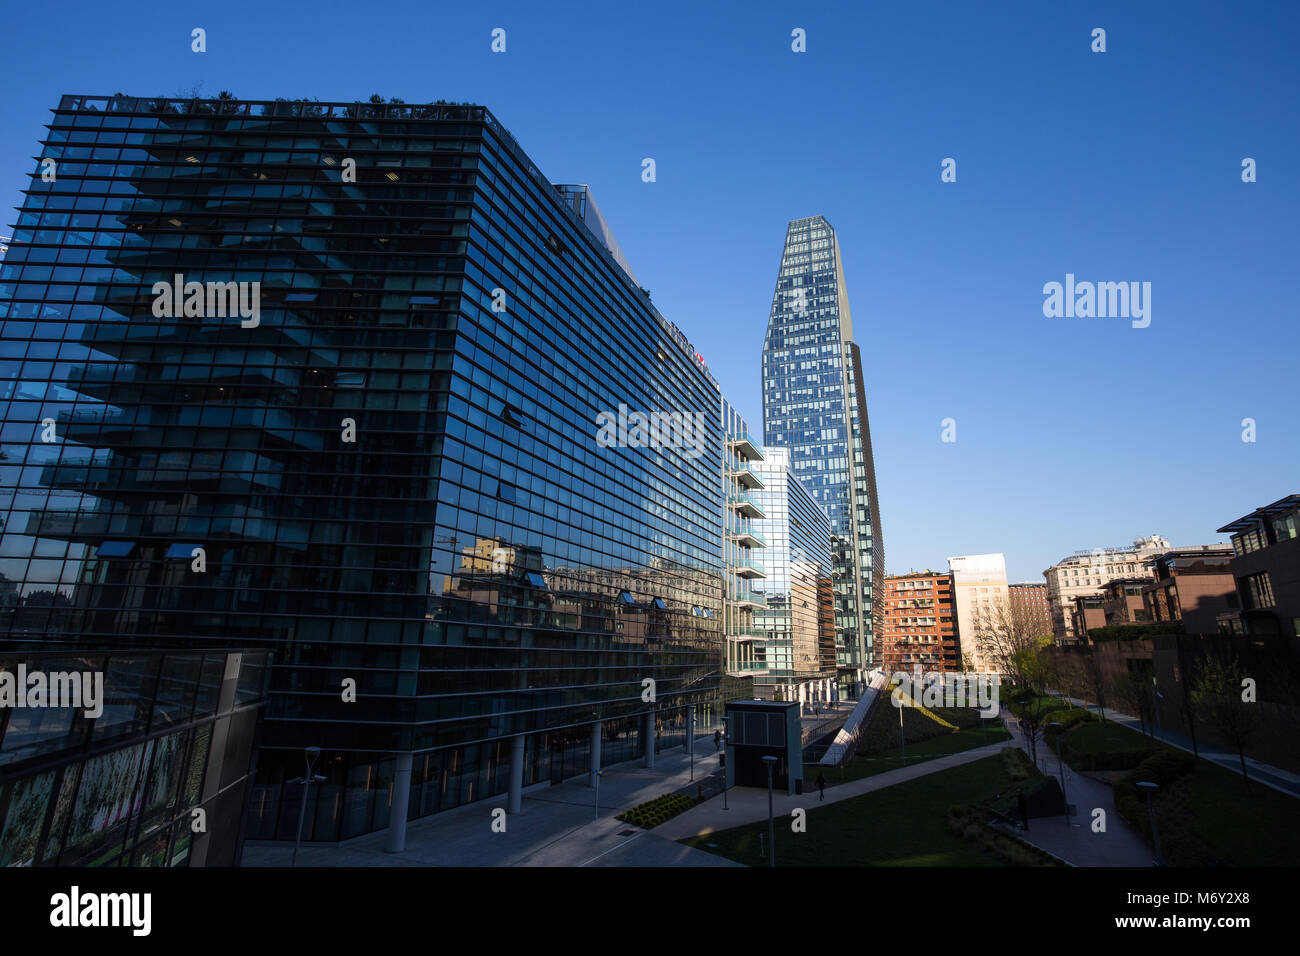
[[648, 735], [396, 842], [595, 752], [516, 799], [690, 729]]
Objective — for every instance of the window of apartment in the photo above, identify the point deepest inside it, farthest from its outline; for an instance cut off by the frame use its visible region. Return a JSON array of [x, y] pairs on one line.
[[1285, 527], [1258, 590], [1247, 541]]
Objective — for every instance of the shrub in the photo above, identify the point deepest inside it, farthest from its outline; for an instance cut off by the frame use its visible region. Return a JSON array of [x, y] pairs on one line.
[[659, 810]]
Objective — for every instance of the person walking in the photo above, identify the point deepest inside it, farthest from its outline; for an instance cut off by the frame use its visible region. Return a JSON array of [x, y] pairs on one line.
[[717, 741], [821, 784]]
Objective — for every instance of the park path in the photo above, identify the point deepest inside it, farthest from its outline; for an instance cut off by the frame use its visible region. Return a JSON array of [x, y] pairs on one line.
[[1266, 773], [1120, 844]]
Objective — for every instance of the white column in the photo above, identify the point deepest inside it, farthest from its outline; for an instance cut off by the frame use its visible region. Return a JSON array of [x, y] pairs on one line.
[[516, 799], [595, 752], [396, 842]]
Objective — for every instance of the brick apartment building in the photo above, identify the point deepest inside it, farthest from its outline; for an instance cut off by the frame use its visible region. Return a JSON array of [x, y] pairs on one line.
[[920, 623], [1121, 600], [1194, 587], [1029, 602], [1266, 565]]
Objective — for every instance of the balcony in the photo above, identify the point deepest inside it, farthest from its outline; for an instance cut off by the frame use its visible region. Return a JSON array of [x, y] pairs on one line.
[[751, 600], [750, 539], [750, 569], [747, 478], [746, 447], [745, 506]]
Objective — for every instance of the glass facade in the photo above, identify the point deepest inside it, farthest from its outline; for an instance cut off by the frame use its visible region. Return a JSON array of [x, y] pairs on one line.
[[796, 617], [814, 404], [325, 378], [122, 788]]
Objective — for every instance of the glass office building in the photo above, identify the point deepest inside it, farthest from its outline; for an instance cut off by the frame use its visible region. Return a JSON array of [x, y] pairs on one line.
[[325, 379], [155, 775], [796, 617], [814, 404]]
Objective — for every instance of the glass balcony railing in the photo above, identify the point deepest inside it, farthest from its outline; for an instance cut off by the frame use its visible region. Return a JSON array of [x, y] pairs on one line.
[[746, 477], [745, 446], [745, 505], [749, 538]]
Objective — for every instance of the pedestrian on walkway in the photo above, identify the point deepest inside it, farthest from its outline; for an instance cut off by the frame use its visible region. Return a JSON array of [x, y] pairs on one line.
[[1023, 806], [821, 784], [717, 740]]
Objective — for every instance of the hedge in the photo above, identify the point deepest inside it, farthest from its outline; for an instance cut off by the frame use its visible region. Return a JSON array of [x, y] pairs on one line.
[[970, 825], [1178, 844], [654, 812]]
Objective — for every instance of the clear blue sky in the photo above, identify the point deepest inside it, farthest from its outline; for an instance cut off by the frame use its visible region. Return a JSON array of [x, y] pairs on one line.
[[1071, 433]]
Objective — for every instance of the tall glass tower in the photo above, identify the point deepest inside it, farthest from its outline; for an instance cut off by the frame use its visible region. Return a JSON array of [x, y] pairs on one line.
[[814, 404]]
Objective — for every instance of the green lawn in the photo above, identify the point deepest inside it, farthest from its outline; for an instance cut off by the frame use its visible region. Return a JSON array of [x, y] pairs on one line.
[[902, 825], [1098, 736], [1213, 815], [871, 764]]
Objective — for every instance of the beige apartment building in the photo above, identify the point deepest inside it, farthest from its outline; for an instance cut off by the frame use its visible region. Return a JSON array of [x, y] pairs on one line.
[[979, 590], [1085, 574]]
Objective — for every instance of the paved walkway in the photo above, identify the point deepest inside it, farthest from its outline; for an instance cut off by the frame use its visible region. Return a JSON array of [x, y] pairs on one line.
[[558, 826], [1267, 774], [749, 804], [1120, 845]]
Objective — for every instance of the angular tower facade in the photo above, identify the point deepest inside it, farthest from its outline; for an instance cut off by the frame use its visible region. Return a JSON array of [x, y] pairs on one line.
[[814, 403]]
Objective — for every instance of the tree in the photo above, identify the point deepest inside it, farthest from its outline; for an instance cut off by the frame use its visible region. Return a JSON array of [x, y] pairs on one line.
[[1031, 723], [1094, 680], [1007, 638], [1221, 698]]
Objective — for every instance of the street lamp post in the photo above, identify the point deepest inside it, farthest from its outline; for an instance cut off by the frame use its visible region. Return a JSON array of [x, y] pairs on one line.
[[902, 742], [307, 779], [1060, 763], [690, 736], [771, 819], [722, 759], [1150, 790]]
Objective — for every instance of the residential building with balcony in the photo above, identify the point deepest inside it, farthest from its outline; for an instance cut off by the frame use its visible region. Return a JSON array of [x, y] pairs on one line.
[[796, 617], [1194, 586], [920, 624], [1121, 601], [1266, 568], [743, 545]]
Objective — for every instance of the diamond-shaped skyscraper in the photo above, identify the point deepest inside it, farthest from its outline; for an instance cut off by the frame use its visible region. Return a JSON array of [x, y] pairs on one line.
[[814, 404]]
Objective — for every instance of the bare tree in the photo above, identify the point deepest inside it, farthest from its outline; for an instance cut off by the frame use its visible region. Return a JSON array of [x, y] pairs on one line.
[[1220, 698], [1008, 638]]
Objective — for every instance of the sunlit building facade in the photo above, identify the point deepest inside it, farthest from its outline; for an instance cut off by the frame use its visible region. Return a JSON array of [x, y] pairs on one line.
[[378, 456], [796, 618]]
